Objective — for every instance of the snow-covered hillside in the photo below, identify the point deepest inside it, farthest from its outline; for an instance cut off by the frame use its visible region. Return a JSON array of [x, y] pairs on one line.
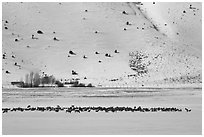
[[150, 44]]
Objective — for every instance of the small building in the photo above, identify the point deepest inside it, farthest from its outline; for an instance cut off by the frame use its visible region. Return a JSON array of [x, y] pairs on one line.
[[18, 83]]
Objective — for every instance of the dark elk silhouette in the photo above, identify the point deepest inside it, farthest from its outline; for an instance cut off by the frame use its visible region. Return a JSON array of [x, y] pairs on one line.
[[4, 56], [39, 32], [107, 55], [55, 39], [8, 72], [188, 110], [128, 23], [33, 37], [85, 57], [97, 52], [124, 12], [74, 72], [16, 40], [116, 51], [72, 53]]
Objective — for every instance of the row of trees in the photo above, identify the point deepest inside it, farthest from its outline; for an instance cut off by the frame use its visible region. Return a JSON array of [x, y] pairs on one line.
[[34, 80]]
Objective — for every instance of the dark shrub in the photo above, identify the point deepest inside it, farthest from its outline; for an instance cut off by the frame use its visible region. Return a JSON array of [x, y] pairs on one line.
[[59, 84], [90, 85]]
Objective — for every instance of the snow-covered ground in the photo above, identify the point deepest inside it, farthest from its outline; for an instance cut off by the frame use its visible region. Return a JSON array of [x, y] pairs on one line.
[[152, 46], [167, 36], [101, 122]]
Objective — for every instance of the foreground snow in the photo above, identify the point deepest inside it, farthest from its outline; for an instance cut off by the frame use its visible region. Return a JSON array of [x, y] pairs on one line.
[[101, 122]]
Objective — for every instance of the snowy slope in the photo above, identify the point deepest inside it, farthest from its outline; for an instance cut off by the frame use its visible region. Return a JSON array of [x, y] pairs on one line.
[[169, 53]]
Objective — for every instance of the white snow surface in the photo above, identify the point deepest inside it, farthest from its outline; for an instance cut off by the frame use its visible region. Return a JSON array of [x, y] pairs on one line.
[[173, 51], [102, 123]]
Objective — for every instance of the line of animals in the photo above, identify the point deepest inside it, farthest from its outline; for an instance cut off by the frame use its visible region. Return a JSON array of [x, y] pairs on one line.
[[78, 109], [85, 57]]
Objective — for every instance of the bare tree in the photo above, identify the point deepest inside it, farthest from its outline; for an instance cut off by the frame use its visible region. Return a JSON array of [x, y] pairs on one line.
[[43, 81], [26, 80], [52, 80], [36, 80], [31, 78]]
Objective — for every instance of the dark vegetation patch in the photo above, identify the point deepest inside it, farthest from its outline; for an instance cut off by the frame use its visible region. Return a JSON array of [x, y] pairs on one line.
[[137, 63], [77, 84], [35, 80], [185, 79]]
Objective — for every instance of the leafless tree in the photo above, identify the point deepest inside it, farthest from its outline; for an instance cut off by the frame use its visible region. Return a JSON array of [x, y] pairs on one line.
[[36, 80], [31, 78]]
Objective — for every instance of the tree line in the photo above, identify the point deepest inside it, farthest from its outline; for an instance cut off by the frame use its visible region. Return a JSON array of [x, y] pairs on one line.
[[33, 79]]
